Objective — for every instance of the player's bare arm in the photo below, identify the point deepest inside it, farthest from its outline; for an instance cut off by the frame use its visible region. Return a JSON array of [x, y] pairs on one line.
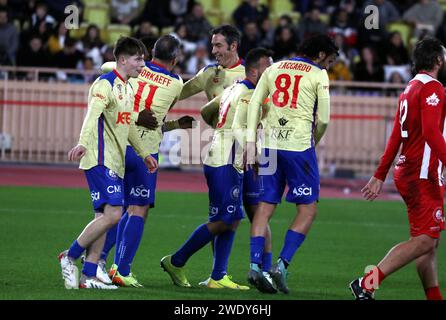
[[372, 189], [77, 153]]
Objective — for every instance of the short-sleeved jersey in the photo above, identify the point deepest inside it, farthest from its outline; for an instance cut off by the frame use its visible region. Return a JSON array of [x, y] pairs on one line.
[[109, 124], [298, 91], [419, 127], [155, 89], [213, 79], [221, 151]]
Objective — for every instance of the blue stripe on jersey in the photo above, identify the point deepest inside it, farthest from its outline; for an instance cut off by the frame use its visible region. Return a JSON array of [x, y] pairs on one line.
[[313, 123], [160, 69], [101, 147], [307, 61], [111, 76], [248, 84], [210, 66]]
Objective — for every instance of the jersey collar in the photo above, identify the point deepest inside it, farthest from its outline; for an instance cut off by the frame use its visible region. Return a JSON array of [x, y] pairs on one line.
[[118, 75], [248, 83], [303, 59], [239, 62]]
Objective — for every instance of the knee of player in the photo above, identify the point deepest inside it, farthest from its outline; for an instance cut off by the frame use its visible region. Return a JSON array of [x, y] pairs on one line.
[[140, 211], [113, 215], [426, 243]]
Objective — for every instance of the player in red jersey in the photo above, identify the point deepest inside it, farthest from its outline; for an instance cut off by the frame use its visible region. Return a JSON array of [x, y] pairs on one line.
[[419, 128]]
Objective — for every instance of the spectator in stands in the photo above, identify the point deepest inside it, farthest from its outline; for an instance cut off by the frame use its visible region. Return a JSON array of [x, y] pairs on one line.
[[286, 21], [425, 16], [9, 39], [395, 51], [57, 39], [181, 33], [285, 44], [249, 11], [387, 14], [199, 60], [124, 11], [88, 65], [158, 13], [41, 15], [33, 55], [250, 38], [312, 24], [145, 29], [108, 54], [267, 33], [368, 68], [198, 27], [91, 45], [341, 22], [441, 32], [69, 58]]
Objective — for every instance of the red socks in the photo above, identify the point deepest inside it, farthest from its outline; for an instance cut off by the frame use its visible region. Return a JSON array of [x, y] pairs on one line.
[[368, 282], [433, 293]]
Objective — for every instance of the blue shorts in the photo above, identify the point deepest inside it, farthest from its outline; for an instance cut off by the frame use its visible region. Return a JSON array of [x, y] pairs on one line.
[[252, 187], [297, 169], [225, 193], [139, 183], [105, 187]]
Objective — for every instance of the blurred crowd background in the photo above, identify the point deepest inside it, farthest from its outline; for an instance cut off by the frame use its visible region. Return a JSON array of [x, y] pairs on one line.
[[33, 33]]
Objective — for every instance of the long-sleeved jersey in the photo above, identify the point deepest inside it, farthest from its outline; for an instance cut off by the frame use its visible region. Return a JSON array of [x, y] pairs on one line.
[[156, 89], [109, 124], [222, 151], [419, 127], [299, 105], [213, 79]]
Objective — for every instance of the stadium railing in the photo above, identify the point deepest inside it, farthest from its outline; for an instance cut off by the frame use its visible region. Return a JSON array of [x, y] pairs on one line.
[[41, 120]]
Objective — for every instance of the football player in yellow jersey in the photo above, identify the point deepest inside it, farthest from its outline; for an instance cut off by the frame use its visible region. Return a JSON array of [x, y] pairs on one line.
[[214, 78], [156, 89], [294, 124], [224, 178], [107, 127]]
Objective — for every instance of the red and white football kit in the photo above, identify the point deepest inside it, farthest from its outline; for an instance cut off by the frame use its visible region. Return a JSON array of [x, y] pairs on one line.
[[419, 127]]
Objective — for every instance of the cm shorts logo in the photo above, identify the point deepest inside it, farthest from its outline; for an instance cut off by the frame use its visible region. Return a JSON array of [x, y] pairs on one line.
[[140, 192], [213, 211], [303, 190], [114, 189]]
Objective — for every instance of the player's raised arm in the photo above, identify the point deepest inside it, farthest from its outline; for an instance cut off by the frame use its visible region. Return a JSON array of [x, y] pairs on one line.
[[193, 85], [323, 107], [209, 111]]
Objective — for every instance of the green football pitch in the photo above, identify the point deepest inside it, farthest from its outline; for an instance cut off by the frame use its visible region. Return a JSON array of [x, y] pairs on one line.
[[37, 223]]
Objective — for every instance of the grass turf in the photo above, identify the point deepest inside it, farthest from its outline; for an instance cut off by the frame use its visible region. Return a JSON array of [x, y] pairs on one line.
[[37, 223]]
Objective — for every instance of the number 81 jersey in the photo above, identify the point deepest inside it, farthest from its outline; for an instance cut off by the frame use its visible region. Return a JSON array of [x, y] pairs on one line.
[[298, 91]]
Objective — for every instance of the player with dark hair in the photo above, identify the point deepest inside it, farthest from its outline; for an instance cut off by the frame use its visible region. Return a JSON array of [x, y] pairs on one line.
[[294, 124], [213, 79], [107, 127], [156, 90], [419, 128], [224, 176]]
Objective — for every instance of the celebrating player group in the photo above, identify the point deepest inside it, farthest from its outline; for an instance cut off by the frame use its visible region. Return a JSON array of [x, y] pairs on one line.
[[268, 118]]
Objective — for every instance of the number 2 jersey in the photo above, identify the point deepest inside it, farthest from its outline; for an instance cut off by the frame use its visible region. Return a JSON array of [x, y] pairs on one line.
[[299, 104], [419, 127]]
